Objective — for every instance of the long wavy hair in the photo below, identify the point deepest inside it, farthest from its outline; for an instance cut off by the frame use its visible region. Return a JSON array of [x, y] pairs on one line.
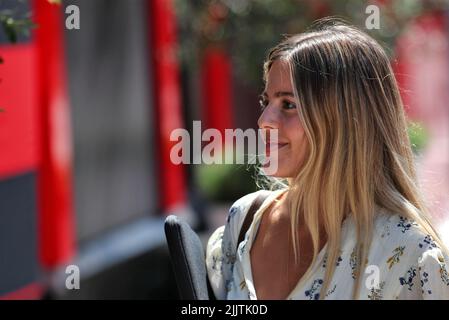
[[359, 157]]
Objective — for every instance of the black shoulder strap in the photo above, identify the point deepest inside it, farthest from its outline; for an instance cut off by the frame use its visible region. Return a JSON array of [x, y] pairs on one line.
[[249, 216]]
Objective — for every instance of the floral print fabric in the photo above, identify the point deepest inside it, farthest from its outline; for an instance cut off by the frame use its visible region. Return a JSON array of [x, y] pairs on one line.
[[408, 264]]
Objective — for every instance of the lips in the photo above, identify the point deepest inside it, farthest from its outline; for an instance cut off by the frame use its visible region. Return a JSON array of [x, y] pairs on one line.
[[269, 147]]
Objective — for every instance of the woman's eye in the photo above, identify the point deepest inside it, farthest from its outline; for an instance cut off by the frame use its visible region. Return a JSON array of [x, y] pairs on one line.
[[288, 105]]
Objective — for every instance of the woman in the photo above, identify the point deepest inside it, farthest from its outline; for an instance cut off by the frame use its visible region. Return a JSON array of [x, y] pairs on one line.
[[350, 222]]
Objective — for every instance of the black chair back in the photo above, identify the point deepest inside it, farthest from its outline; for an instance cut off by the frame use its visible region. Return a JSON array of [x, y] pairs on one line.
[[188, 259]]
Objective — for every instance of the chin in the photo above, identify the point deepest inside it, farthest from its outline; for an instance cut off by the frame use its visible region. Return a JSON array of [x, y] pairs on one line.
[[280, 175], [280, 172], [283, 171]]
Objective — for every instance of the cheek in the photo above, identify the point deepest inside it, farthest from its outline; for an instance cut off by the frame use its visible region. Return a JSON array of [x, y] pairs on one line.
[[296, 135]]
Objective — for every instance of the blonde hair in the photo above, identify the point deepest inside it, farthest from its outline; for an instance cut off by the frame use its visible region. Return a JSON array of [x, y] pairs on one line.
[[359, 157]]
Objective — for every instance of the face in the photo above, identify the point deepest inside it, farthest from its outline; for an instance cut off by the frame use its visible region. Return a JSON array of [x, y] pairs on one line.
[[280, 112]]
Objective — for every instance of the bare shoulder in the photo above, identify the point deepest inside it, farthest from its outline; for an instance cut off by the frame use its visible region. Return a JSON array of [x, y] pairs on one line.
[[240, 207]]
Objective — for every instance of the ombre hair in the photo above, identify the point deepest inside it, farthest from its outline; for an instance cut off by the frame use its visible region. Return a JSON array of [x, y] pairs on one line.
[[359, 158]]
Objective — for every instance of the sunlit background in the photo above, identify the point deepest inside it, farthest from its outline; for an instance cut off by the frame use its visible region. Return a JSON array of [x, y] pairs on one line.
[[86, 116]]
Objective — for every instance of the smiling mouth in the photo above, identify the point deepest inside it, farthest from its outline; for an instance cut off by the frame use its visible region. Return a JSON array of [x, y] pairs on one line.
[[270, 147]]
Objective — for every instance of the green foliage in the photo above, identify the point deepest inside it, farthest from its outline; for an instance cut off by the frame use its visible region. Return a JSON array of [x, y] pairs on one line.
[[418, 137], [15, 23], [13, 27], [247, 28], [225, 182]]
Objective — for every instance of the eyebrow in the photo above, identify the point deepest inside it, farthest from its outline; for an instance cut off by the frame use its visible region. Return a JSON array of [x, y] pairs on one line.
[[279, 94]]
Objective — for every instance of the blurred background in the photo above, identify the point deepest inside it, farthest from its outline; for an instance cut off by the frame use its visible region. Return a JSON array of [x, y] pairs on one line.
[[86, 116]]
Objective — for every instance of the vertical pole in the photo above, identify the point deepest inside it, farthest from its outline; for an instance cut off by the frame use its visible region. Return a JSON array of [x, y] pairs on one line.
[[167, 98], [56, 228]]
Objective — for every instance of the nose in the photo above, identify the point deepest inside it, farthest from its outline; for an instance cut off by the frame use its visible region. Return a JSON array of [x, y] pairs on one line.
[[268, 119]]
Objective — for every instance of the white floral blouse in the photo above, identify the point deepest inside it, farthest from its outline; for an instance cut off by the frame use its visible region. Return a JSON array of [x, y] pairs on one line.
[[408, 263]]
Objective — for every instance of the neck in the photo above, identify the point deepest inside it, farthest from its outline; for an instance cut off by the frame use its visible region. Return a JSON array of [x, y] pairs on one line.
[[303, 233]]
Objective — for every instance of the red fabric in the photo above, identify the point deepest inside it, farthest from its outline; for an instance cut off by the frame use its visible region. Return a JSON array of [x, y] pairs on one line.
[[18, 121], [217, 90], [167, 95], [56, 226]]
